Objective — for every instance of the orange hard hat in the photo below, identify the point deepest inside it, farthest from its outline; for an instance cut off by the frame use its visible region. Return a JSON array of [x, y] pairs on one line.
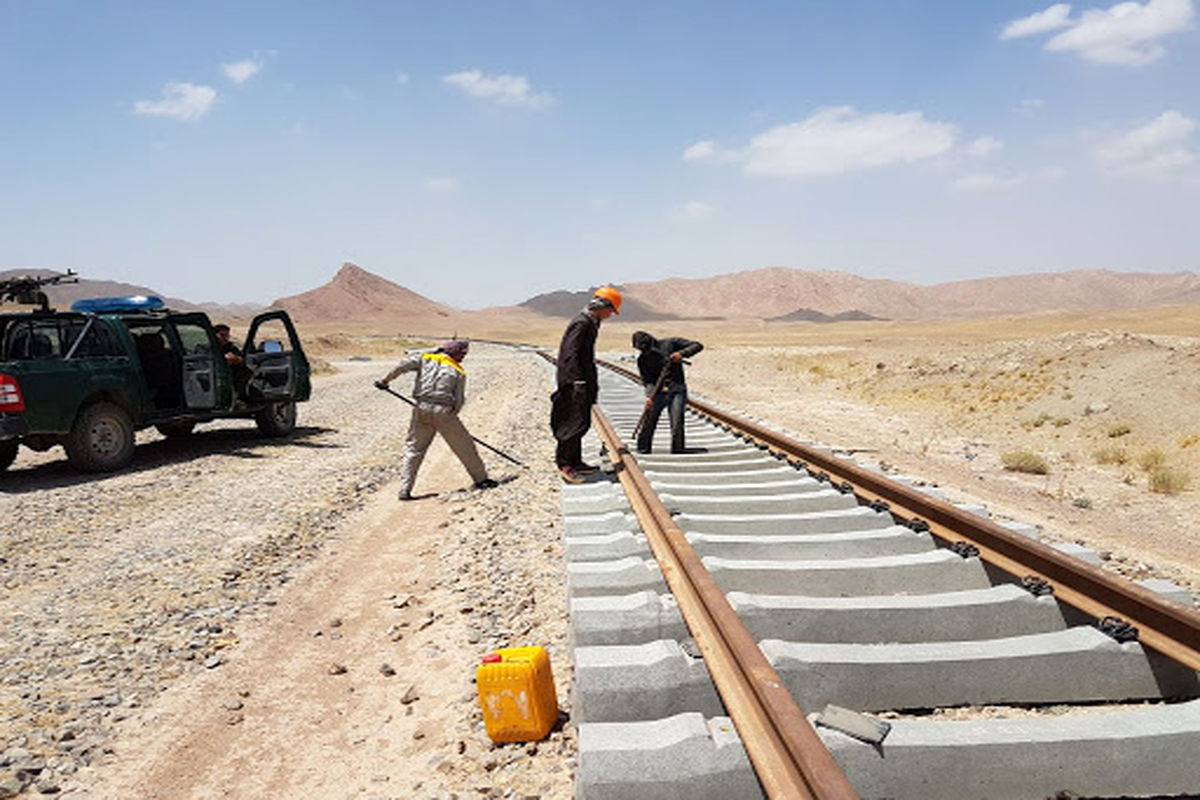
[[612, 295]]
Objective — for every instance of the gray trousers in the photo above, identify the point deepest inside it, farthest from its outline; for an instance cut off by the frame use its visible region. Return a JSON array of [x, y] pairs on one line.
[[421, 429]]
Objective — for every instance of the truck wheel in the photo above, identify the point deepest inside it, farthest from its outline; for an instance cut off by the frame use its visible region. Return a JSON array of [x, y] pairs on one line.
[[277, 419], [8, 453], [175, 430], [101, 439]]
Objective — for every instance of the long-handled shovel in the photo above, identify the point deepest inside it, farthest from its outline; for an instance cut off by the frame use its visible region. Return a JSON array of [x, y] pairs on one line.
[[501, 453]]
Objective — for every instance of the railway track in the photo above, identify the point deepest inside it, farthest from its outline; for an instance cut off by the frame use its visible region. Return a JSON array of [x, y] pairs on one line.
[[760, 618]]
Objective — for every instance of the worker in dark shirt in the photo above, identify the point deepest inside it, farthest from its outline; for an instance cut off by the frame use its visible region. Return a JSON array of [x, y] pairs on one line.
[[577, 384], [660, 365], [234, 358]]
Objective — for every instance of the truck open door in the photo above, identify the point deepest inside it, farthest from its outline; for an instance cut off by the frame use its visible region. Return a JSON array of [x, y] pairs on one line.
[[278, 367]]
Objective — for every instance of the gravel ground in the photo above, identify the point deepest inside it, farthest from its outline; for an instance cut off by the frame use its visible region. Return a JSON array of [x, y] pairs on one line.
[[118, 587]]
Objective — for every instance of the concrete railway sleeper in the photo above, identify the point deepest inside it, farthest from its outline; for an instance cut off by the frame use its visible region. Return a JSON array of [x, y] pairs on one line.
[[861, 604]]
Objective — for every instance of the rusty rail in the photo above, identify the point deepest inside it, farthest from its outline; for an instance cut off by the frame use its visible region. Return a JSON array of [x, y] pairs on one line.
[[788, 756], [1166, 627]]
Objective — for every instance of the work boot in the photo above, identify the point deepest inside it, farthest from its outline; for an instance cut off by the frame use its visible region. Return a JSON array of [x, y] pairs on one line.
[[486, 483], [569, 475], [586, 469]]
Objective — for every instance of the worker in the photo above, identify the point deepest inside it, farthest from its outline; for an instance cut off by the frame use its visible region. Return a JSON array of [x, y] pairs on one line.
[[439, 391], [577, 386], [660, 365]]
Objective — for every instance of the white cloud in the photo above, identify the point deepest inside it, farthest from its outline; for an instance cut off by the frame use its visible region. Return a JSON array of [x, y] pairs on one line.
[[182, 101], [1127, 33], [836, 140], [442, 185], [242, 71], [693, 209], [984, 146], [1052, 18], [1158, 149], [987, 181], [1030, 105], [507, 90]]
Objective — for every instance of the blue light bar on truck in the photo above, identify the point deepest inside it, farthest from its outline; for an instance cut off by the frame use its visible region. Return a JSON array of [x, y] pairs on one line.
[[108, 305]]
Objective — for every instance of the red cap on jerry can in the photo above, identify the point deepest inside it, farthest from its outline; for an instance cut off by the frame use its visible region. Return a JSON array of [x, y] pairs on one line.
[[493, 658]]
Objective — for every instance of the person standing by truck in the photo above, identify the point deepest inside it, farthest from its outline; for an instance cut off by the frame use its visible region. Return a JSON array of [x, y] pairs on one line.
[[577, 384], [661, 368], [439, 392]]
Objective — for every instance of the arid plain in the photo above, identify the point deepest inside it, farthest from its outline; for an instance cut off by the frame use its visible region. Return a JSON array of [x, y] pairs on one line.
[[1097, 414]]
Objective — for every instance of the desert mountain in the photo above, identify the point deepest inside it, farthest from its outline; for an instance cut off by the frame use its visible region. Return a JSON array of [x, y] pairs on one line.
[[568, 304], [809, 315], [778, 291], [356, 295], [62, 295]]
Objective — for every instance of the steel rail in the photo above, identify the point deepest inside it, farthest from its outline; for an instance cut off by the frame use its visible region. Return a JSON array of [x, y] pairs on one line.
[[789, 757], [1169, 628]]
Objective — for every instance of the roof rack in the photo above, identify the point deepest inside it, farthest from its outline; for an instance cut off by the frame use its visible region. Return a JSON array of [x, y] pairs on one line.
[[116, 305]]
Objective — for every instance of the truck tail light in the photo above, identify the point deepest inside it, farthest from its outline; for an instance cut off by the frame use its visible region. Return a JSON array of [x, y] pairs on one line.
[[10, 394]]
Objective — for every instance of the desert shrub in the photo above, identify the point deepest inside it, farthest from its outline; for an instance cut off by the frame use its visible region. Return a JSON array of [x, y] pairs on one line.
[[1152, 459], [1082, 502], [1061, 421], [1168, 480], [1189, 441], [319, 366], [1112, 454], [1024, 461], [1120, 429], [1037, 422]]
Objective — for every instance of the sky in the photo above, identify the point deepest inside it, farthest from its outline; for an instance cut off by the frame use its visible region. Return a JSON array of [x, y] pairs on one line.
[[483, 152]]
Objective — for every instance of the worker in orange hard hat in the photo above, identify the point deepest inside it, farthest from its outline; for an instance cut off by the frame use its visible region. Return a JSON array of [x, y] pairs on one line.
[[571, 403]]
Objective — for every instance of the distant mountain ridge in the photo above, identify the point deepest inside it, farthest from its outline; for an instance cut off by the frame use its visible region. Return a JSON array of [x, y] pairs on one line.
[[777, 291], [62, 295], [809, 315], [568, 304], [776, 294]]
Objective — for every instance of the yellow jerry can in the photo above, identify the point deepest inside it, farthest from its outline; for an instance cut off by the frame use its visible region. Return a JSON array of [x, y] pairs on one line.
[[516, 693]]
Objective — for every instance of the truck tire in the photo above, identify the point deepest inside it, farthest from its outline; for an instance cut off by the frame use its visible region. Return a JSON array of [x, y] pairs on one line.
[[176, 430], [8, 453], [277, 419], [101, 439]]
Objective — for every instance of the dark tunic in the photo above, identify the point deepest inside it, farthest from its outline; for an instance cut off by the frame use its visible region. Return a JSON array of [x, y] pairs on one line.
[[650, 362], [570, 415]]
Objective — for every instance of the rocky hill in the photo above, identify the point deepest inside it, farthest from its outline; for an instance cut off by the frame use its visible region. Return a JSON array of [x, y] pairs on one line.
[[356, 295]]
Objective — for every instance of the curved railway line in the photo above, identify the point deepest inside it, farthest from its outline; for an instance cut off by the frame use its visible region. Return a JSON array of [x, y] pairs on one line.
[[758, 617]]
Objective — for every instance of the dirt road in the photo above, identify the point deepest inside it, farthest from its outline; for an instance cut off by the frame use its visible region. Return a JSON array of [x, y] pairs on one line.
[[299, 633]]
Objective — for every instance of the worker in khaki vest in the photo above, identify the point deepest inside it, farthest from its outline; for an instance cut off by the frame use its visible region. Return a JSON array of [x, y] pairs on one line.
[[439, 392]]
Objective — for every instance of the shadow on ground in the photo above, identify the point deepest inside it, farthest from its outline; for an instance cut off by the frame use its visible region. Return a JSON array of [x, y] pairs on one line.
[[235, 442]]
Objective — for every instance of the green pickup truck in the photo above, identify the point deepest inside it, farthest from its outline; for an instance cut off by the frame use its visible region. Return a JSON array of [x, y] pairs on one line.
[[90, 377]]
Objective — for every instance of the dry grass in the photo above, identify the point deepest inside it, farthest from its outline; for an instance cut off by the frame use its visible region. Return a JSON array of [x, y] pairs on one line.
[[1168, 480], [1024, 461], [1152, 459], [1118, 430], [1112, 454], [345, 345]]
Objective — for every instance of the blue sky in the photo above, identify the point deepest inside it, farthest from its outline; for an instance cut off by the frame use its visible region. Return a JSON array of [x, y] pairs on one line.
[[480, 153]]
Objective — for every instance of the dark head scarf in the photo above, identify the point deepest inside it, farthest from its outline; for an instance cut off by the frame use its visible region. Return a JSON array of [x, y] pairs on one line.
[[455, 348]]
